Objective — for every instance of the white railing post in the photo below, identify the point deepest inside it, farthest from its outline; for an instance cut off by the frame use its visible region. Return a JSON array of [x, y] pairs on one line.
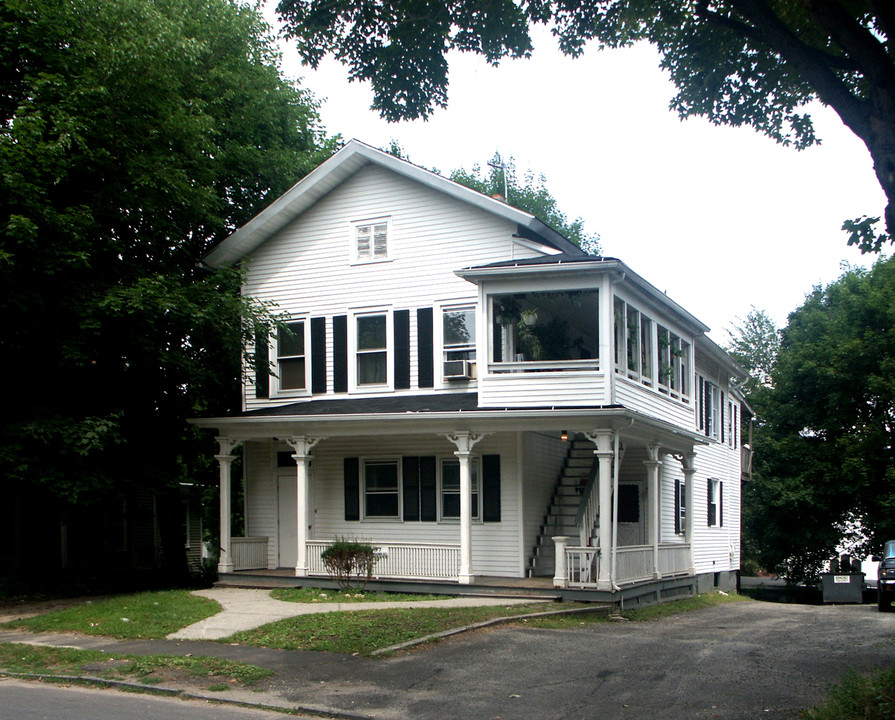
[[560, 573], [225, 460]]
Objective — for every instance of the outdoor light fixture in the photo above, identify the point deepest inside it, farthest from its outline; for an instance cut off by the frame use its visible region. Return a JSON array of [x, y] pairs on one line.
[[564, 435]]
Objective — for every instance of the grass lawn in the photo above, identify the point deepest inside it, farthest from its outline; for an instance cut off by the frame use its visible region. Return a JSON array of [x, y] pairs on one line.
[[859, 697], [144, 615], [316, 595], [364, 631], [211, 673]]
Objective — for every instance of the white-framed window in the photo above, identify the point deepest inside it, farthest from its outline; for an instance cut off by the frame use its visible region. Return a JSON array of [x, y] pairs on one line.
[[633, 343], [715, 503], [674, 364], [292, 360], [710, 415], [382, 488], [680, 507], [458, 341], [372, 349], [449, 484], [733, 439], [370, 240]]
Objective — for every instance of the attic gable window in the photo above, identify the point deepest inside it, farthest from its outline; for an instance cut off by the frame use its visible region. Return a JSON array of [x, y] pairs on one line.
[[370, 240]]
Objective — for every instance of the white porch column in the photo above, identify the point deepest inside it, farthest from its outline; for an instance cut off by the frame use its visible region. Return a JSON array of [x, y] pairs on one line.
[[225, 459], [603, 440], [465, 441], [560, 572], [652, 477], [302, 446], [689, 463]]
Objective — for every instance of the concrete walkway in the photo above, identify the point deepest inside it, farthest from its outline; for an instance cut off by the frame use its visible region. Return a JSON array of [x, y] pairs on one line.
[[244, 609]]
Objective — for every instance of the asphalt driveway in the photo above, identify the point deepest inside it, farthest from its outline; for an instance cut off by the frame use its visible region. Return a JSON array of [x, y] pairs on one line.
[[734, 661]]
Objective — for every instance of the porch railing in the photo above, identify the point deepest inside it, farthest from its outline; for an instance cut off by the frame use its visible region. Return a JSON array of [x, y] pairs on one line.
[[633, 564], [248, 553], [420, 561]]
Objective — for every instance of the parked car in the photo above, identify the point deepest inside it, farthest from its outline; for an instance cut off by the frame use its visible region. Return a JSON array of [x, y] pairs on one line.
[[885, 577]]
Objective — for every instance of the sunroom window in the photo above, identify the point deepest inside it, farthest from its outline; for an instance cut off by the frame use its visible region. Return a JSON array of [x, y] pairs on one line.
[[674, 364], [545, 327], [633, 343]]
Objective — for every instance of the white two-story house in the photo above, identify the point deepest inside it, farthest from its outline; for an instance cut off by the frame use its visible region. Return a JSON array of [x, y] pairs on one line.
[[467, 390]]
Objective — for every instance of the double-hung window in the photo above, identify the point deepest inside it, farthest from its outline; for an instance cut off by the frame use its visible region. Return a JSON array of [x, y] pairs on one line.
[[714, 503], [372, 349], [680, 507], [450, 488], [710, 415], [381, 489], [291, 358], [371, 240], [458, 339]]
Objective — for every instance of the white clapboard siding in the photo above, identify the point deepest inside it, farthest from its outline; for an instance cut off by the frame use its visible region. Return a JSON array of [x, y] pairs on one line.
[[543, 457], [639, 397], [716, 548], [670, 471], [547, 389], [306, 270]]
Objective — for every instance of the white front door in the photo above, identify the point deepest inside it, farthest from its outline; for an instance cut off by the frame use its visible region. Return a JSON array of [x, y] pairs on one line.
[[287, 525]]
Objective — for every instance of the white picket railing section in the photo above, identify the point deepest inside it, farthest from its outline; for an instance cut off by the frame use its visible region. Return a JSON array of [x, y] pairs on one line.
[[633, 564], [248, 553], [420, 561], [582, 566]]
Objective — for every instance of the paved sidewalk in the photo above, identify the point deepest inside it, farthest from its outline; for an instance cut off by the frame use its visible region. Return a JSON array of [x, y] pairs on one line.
[[248, 609]]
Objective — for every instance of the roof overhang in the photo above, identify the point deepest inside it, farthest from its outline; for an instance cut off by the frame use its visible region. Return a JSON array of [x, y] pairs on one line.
[[629, 423]]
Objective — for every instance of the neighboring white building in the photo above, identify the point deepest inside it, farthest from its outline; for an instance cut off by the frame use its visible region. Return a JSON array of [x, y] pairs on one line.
[[473, 394]]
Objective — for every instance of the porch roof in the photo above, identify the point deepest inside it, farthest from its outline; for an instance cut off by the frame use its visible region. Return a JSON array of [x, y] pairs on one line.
[[440, 413]]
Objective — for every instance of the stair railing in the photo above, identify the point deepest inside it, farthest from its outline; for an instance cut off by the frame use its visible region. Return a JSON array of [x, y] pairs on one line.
[[589, 507]]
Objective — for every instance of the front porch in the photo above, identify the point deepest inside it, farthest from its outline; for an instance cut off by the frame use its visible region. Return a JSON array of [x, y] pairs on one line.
[[576, 567]]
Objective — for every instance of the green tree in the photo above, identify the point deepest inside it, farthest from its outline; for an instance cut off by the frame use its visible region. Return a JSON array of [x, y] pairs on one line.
[[754, 342], [736, 62], [825, 443], [530, 195], [133, 136]]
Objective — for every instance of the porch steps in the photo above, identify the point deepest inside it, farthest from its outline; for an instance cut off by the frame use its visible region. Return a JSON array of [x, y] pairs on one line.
[[563, 508]]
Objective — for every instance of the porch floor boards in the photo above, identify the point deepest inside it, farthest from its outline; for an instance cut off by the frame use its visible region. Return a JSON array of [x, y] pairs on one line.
[[538, 588]]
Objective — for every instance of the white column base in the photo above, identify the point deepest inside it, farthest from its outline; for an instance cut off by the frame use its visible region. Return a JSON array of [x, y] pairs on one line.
[[301, 571], [465, 579], [604, 585], [225, 567]]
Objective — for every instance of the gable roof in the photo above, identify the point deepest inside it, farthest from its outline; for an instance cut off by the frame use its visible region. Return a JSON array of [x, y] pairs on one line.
[[341, 166]]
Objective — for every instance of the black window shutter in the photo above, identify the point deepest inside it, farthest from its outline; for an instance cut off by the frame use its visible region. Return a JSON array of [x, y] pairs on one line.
[[701, 401], [428, 490], [318, 355], [491, 488], [262, 366], [352, 488], [410, 472], [425, 348], [677, 507], [710, 520], [340, 353], [720, 503], [402, 349]]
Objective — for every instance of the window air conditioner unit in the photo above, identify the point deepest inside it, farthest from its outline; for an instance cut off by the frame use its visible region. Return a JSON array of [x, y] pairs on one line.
[[459, 370]]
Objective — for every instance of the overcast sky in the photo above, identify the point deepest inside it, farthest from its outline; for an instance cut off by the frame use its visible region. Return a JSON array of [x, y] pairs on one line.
[[721, 219]]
